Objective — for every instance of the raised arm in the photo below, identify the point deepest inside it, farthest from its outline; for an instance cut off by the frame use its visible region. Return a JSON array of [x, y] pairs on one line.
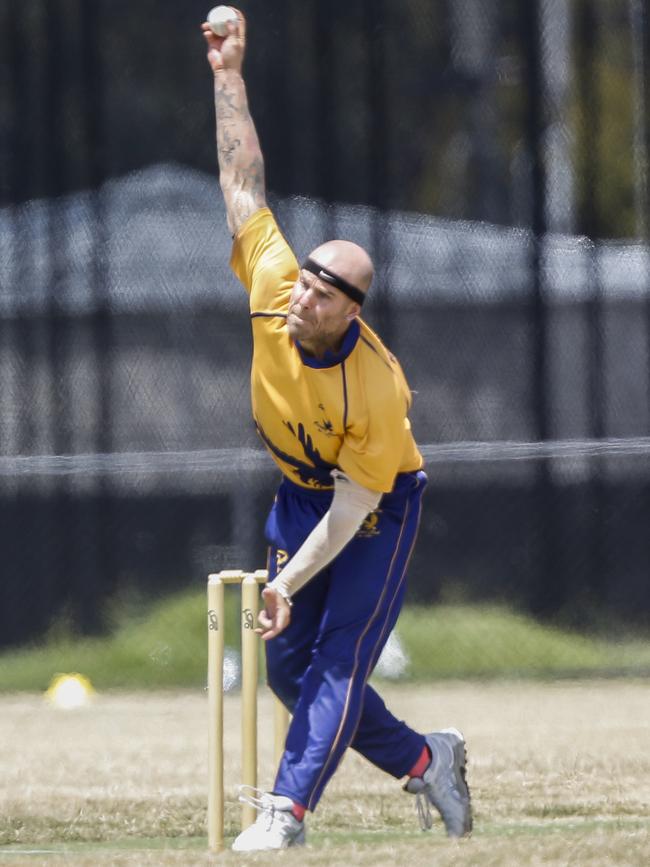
[[241, 164]]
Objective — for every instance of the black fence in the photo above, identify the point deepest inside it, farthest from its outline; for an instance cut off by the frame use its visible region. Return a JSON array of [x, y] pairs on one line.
[[493, 158]]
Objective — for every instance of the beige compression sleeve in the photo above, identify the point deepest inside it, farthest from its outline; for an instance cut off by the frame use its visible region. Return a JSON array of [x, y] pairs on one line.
[[350, 505]]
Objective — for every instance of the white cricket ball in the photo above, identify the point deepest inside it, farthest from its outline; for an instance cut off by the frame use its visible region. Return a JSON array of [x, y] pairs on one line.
[[219, 17]]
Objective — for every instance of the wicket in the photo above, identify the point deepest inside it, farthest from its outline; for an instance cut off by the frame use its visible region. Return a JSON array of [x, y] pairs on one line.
[[249, 582]]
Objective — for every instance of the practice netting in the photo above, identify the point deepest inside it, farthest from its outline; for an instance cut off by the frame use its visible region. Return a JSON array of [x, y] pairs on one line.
[[577, 458], [492, 158]]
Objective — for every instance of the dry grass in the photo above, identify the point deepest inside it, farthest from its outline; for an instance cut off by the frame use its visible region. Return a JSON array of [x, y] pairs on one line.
[[560, 774]]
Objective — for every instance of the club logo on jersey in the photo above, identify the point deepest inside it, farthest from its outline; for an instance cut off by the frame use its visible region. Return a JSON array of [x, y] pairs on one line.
[[318, 474], [281, 558], [369, 527], [324, 426]]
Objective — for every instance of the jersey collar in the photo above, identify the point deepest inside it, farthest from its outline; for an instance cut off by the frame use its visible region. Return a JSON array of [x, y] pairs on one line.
[[331, 359]]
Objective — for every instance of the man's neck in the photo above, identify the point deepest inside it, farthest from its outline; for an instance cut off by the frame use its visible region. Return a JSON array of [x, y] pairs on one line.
[[318, 347]]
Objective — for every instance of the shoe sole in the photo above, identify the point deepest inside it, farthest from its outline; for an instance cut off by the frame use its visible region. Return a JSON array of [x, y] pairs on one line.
[[298, 840], [460, 768]]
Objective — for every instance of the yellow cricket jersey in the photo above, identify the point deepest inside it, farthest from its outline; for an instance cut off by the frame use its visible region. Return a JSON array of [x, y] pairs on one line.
[[347, 410]]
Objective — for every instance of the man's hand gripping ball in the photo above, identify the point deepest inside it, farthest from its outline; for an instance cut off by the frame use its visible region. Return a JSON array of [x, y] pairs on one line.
[[226, 52]]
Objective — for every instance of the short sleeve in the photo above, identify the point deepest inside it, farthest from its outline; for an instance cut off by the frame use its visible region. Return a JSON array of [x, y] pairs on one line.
[[264, 262]]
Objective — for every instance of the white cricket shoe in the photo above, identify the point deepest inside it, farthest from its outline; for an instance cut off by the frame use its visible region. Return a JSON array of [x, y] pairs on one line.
[[443, 784], [275, 828]]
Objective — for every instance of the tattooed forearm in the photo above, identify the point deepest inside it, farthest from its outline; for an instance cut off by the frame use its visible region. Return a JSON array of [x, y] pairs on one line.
[[241, 165], [227, 147], [225, 102]]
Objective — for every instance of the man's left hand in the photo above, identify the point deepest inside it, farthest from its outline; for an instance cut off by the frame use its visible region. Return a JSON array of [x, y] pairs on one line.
[[275, 616]]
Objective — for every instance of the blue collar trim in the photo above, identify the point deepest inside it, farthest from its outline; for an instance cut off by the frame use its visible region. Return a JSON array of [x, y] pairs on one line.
[[331, 359]]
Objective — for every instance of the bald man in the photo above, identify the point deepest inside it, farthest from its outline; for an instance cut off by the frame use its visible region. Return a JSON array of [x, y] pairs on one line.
[[330, 403]]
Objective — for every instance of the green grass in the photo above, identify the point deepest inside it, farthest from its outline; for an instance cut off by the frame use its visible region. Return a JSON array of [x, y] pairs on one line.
[[165, 646], [573, 824], [490, 641]]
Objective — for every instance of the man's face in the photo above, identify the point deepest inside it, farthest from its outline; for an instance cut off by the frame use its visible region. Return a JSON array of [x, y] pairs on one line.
[[318, 313]]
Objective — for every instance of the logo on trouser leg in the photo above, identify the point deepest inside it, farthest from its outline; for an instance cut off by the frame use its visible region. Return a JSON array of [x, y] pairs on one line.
[[281, 558], [369, 527]]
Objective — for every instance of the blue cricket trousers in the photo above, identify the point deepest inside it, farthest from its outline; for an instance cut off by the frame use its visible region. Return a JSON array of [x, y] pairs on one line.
[[320, 664]]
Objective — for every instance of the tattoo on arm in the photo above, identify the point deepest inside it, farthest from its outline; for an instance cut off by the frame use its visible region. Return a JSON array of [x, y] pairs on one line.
[[228, 147], [241, 164]]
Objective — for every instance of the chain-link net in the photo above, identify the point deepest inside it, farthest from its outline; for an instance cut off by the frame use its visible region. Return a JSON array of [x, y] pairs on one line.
[[492, 157]]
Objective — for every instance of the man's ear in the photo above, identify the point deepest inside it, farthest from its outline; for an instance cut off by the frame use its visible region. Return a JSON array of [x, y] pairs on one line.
[[354, 312]]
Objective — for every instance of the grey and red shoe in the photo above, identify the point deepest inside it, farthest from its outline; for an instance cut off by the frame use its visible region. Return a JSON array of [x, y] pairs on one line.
[[443, 784]]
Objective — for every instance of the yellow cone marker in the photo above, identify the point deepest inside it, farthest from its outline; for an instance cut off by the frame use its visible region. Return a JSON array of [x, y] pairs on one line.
[[70, 691]]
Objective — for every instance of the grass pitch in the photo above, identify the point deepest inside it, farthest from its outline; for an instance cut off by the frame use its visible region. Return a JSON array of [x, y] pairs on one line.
[[560, 774]]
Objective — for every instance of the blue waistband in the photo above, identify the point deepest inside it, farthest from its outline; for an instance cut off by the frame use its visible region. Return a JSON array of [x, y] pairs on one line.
[[404, 482]]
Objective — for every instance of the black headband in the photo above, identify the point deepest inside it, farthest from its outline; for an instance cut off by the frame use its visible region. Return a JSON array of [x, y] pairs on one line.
[[334, 280]]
